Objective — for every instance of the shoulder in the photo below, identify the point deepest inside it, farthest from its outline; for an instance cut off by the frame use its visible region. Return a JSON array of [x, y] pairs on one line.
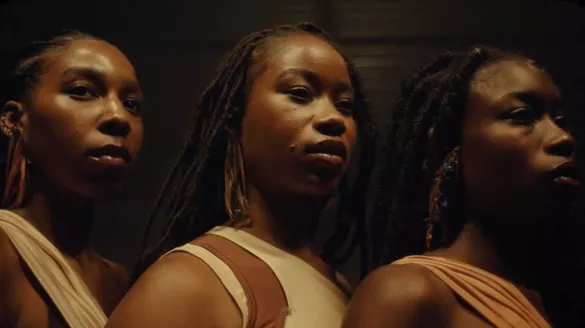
[[402, 296], [167, 293]]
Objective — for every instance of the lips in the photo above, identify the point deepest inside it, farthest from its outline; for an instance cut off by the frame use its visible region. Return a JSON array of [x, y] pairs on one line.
[[109, 155], [567, 173], [332, 151]]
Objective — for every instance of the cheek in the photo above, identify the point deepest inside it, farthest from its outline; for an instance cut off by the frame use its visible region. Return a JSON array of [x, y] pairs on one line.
[[270, 126], [136, 136], [351, 134], [498, 161], [57, 128]]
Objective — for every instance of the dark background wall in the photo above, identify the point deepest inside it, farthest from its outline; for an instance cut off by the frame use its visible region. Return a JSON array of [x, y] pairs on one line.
[[175, 45]]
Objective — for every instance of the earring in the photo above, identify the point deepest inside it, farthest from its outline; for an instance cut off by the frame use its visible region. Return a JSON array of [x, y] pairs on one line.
[[437, 198], [16, 172], [429, 233], [5, 129]]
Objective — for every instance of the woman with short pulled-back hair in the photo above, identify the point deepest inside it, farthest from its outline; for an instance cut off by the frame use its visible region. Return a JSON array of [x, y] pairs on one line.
[[71, 119]]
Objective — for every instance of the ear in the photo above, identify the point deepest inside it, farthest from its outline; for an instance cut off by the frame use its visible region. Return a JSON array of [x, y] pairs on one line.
[[11, 118]]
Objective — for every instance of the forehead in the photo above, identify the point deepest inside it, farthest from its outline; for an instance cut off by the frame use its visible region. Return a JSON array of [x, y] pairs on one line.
[[305, 52], [95, 55], [499, 80]]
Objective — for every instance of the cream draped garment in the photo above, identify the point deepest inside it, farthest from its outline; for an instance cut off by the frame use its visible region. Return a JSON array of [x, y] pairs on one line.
[[61, 283]]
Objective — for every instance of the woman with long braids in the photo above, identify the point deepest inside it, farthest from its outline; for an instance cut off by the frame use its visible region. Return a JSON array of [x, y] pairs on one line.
[[270, 144], [71, 121], [479, 174]]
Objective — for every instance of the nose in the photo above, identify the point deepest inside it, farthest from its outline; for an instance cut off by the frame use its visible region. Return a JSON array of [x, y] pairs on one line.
[[561, 142], [116, 122], [330, 121]]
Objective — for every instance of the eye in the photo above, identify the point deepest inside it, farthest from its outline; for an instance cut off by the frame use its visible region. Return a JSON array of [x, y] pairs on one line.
[[81, 92], [133, 105], [300, 94], [523, 116], [561, 121], [346, 106]]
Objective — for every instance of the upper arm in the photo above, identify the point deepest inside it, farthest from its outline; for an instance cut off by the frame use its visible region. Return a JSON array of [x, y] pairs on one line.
[[399, 296], [178, 291]]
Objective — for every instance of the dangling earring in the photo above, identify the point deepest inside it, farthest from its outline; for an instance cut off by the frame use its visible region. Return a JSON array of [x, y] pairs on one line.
[[16, 169], [236, 203], [437, 198]]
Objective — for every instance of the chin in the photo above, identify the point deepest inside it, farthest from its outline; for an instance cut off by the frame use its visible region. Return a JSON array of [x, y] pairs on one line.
[[305, 186], [321, 189], [97, 190]]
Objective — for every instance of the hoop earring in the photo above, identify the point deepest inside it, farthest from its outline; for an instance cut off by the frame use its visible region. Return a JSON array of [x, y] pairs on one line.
[[437, 199], [16, 171], [236, 203]]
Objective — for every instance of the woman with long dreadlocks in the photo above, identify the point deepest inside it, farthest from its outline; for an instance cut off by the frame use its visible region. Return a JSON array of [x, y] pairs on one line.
[[71, 121], [271, 142], [478, 146]]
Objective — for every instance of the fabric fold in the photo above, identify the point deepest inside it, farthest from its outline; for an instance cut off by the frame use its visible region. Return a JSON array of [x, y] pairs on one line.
[[61, 283], [497, 300]]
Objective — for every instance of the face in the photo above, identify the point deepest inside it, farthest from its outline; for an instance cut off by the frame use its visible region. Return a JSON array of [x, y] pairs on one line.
[[299, 132], [517, 156], [81, 125]]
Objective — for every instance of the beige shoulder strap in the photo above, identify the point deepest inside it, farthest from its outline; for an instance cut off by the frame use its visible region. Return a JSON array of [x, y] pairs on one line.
[[62, 284], [498, 300], [250, 281], [225, 275]]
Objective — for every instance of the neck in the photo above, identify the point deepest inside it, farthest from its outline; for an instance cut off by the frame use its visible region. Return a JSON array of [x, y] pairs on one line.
[[473, 247], [64, 219], [515, 254], [285, 222]]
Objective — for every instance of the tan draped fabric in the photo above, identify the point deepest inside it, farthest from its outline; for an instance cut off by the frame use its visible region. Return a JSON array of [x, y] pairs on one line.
[[499, 301], [61, 283], [313, 300]]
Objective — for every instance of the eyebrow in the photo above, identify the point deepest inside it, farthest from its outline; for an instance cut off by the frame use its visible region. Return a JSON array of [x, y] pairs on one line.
[[313, 78], [129, 85], [533, 98]]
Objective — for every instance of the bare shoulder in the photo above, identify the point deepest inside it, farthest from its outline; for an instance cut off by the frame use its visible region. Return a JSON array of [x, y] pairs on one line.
[[400, 296], [177, 291]]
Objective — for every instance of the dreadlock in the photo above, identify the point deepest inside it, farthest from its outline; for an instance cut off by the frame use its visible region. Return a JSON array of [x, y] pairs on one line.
[[24, 69], [423, 133], [424, 129], [193, 199]]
